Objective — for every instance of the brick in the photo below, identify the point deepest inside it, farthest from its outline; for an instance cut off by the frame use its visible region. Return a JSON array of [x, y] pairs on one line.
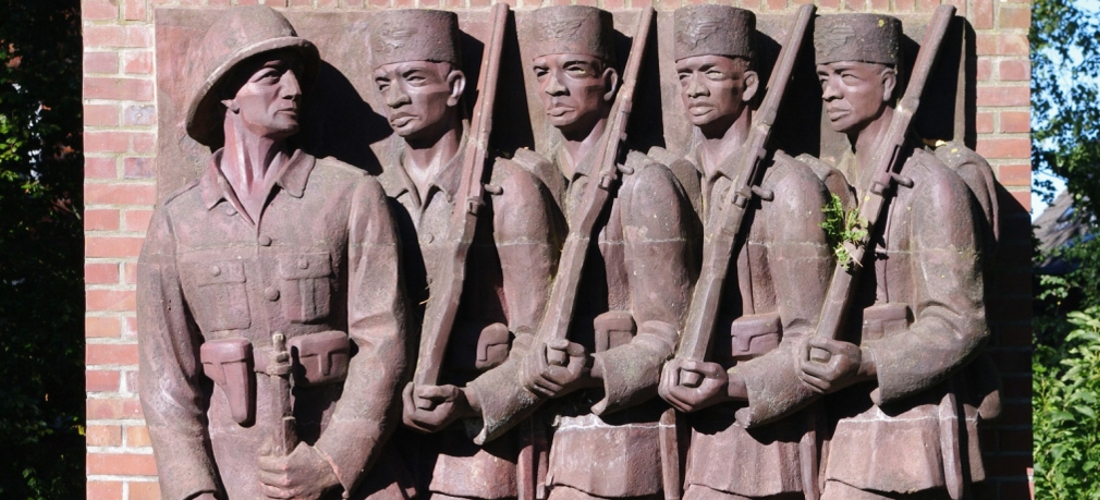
[[136, 220], [100, 168], [1001, 44], [138, 168], [118, 464], [144, 142], [104, 490], [115, 36], [103, 435], [101, 273], [828, 4], [1004, 148], [101, 219], [1015, 122], [134, 10], [983, 123], [112, 246], [1014, 17], [102, 327], [119, 194], [1004, 96], [101, 62], [984, 70], [97, 141], [960, 6], [110, 300], [130, 89], [905, 5], [112, 409], [99, 10], [927, 5], [1017, 387], [137, 62], [1018, 335], [111, 354], [301, 3], [137, 436], [1014, 70], [129, 328], [144, 490], [1011, 361], [129, 273], [101, 381], [982, 15], [140, 115], [782, 4], [100, 115], [130, 377], [1014, 175], [327, 4]]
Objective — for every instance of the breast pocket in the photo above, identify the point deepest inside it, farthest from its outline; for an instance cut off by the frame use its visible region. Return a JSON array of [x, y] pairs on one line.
[[223, 301], [307, 285]]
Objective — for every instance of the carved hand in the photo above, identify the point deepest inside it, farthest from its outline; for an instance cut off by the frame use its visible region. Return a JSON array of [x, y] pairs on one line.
[[432, 407], [302, 475], [556, 368], [690, 385], [831, 365]]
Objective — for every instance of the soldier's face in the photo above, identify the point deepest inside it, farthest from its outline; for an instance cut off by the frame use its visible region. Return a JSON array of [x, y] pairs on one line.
[[715, 89], [268, 101], [575, 90], [855, 93], [420, 96]]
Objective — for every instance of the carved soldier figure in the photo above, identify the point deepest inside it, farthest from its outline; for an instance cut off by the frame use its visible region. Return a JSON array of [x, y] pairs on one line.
[[269, 244], [633, 292], [903, 424], [782, 270], [417, 70]]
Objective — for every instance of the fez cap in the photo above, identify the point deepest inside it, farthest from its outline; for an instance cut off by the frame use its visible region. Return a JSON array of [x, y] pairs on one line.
[[714, 30], [571, 29], [414, 35], [241, 33], [872, 38]]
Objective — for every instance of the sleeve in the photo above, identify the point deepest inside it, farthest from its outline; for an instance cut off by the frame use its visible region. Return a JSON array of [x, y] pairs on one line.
[[661, 272], [801, 265], [949, 327], [377, 323], [169, 373], [504, 401]]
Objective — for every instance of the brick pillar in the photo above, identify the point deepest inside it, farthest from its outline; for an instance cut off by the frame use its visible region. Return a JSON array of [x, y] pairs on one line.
[[120, 137]]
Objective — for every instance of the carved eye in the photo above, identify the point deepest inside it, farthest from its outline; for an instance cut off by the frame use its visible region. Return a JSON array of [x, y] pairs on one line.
[[541, 72]]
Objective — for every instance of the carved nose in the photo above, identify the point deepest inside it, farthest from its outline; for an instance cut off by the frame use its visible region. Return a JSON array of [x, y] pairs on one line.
[[554, 86], [395, 97], [291, 89], [695, 88], [829, 92]]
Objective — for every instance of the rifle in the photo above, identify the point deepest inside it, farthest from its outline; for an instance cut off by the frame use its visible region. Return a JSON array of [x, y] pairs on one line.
[[284, 436], [447, 291], [722, 235], [582, 224], [886, 174]]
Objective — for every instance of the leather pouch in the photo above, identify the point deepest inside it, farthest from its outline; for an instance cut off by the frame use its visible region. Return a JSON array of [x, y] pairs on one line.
[[881, 320], [228, 362], [754, 335], [320, 358], [492, 346], [613, 329]]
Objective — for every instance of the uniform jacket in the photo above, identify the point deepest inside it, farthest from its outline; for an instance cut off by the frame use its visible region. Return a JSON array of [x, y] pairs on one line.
[[920, 314], [323, 256], [635, 290], [507, 282]]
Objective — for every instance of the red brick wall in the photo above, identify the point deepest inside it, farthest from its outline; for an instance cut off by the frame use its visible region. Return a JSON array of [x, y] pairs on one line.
[[120, 137]]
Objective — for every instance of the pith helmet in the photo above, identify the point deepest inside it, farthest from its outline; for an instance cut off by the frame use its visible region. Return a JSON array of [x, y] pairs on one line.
[[414, 35], [872, 38], [241, 33], [571, 29], [714, 30]]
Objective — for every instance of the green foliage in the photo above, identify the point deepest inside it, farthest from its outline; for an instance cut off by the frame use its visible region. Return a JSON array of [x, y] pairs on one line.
[[1065, 405], [41, 251], [843, 230]]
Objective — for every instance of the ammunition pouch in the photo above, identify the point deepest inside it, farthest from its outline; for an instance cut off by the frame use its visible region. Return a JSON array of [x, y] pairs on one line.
[[320, 358], [229, 363], [613, 329], [753, 335], [492, 346], [882, 320]]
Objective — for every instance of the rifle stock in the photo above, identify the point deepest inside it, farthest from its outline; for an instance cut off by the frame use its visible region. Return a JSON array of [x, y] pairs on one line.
[[284, 437], [721, 237], [582, 225], [834, 310], [447, 291]]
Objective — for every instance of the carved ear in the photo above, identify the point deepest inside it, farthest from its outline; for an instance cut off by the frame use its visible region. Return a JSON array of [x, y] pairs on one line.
[[752, 84], [457, 81], [231, 105], [611, 83], [889, 83]]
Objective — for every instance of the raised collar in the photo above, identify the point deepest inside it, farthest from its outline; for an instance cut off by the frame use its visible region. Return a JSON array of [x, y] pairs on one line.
[[292, 178], [395, 180]]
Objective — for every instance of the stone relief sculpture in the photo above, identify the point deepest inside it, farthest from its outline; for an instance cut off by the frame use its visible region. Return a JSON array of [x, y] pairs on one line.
[[273, 270], [558, 293]]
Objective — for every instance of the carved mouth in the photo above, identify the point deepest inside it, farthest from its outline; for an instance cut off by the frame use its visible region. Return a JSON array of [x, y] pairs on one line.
[[836, 114], [700, 109], [558, 111], [400, 120]]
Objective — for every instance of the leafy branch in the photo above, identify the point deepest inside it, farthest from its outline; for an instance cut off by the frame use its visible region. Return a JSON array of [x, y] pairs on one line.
[[844, 230]]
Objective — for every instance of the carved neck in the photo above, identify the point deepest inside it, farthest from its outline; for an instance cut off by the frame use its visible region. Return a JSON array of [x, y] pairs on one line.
[[425, 159], [716, 149], [577, 149], [866, 141], [251, 164]]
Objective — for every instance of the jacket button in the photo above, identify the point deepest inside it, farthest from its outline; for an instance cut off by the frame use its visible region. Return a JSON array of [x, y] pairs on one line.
[[265, 240], [230, 211], [215, 271], [271, 293], [303, 264], [428, 238]]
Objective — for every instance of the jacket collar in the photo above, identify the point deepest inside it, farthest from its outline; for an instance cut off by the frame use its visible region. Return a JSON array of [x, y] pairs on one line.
[[292, 178]]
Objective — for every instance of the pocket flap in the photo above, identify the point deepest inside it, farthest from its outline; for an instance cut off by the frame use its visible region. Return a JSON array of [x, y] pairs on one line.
[[299, 266], [217, 272]]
